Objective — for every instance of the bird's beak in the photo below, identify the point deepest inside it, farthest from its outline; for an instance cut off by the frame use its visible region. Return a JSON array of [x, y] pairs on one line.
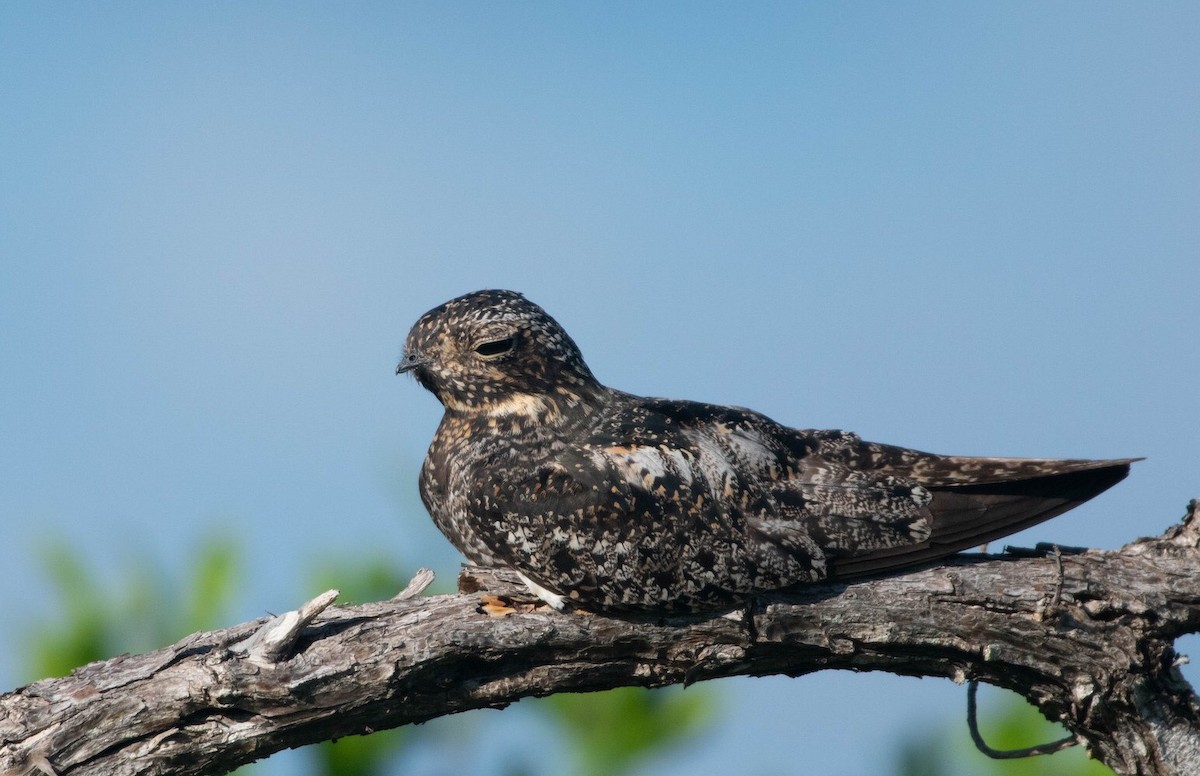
[[409, 362]]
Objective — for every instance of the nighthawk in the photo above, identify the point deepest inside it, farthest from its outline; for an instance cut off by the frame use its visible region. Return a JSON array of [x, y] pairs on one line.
[[616, 502]]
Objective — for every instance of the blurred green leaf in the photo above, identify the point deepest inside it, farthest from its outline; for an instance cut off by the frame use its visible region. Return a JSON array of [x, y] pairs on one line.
[[86, 631], [610, 732], [214, 576], [358, 755], [143, 612]]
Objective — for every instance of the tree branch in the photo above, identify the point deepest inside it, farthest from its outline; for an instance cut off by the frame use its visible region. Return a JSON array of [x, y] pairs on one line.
[[1087, 637]]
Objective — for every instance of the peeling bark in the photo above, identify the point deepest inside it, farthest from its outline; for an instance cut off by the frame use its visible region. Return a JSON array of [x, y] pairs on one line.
[[1086, 636]]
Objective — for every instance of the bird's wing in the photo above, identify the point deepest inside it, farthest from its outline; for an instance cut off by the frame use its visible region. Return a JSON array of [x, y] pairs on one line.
[[974, 500], [776, 484], [775, 488], [847, 511], [686, 503]]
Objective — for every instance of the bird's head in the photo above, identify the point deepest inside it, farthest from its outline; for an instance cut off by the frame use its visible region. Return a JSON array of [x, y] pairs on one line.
[[493, 349]]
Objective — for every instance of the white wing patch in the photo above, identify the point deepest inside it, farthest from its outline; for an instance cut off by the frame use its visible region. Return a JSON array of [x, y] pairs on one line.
[[710, 459], [643, 465], [749, 447]]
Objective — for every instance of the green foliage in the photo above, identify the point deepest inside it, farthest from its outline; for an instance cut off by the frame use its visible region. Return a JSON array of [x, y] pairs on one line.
[[148, 610], [949, 751], [358, 755], [610, 732]]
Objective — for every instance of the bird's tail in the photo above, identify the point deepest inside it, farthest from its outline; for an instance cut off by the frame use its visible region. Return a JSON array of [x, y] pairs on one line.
[[978, 500]]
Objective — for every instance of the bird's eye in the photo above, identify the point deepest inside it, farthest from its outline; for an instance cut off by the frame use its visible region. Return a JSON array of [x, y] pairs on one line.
[[495, 347]]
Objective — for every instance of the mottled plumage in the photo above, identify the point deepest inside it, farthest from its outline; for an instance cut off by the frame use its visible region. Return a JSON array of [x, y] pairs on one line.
[[620, 502]]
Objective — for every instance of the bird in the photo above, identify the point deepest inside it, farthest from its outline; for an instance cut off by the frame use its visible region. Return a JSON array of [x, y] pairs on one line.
[[605, 501]]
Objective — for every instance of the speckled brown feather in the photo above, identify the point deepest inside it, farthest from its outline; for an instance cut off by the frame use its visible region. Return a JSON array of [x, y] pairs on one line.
[[621, 502]]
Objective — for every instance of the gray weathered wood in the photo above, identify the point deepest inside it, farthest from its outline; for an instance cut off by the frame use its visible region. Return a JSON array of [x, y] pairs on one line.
[[1086, 637]]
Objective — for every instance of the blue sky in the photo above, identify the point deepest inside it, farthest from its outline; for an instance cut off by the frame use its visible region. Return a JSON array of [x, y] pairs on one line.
[[968, 228]]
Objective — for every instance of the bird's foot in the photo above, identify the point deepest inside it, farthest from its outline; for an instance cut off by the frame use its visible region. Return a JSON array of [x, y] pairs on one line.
[[504, 605]]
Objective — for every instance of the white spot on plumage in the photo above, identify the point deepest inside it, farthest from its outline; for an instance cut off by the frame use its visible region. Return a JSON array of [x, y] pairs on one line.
[[556, 600], [643, 465]]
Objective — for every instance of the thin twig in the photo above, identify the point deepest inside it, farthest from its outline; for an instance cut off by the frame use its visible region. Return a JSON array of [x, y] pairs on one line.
[[421, 580], [1008, 754]]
